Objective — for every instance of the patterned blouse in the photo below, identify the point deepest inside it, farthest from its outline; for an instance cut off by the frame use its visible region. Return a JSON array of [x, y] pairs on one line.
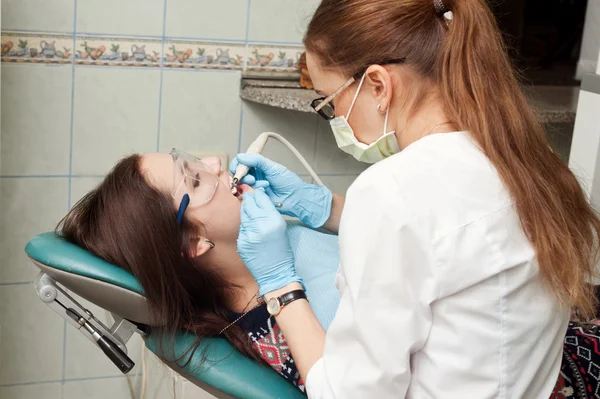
[[269, 341], [579, 376]]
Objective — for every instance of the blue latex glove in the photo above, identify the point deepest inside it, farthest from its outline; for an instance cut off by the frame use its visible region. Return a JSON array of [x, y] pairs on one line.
[[263, 243], [308, 202]]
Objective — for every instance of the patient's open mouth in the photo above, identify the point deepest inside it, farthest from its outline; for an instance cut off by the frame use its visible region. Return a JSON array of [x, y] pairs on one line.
[[241, 189]]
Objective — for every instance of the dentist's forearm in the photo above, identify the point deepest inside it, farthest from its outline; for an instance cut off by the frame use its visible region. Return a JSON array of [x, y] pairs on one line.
[[301, 329], [337, 206]]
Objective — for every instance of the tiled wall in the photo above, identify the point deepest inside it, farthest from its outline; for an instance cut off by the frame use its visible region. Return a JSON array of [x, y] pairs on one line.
[[86, 82]]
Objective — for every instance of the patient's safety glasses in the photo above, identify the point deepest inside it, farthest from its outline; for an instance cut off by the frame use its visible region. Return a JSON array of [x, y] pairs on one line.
[[193, 182]]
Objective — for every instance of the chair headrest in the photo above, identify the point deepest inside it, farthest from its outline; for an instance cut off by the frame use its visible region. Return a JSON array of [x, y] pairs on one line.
[[51, 250], [108, 286]]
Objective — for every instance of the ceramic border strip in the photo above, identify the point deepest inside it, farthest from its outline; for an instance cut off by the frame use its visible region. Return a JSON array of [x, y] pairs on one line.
[[108, 51], [37, 48]]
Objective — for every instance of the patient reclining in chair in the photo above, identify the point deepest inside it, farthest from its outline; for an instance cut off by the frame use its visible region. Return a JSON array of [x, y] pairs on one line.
[[183, 251], [189, 269]]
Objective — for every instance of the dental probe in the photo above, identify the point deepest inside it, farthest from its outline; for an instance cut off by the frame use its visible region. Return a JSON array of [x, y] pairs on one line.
[[256, 148], [242, 170]]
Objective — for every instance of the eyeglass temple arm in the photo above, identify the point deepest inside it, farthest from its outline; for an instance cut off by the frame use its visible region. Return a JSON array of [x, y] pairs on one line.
[[331, 97]]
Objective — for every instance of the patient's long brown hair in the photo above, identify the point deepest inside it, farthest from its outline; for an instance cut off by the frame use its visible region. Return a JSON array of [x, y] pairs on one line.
[[129, 223], [467, 65]]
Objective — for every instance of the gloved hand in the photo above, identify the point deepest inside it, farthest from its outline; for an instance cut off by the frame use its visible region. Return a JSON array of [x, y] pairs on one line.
[[308, 202], [263, 243]]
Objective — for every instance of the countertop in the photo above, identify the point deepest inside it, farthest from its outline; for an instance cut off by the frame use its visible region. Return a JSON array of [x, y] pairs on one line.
[[554, 104]]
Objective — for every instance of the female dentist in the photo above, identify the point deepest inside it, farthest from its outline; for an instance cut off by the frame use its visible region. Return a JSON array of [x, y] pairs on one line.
[[461, 255]]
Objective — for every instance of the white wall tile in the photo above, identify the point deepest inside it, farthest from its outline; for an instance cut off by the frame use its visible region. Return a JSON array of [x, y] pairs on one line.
[[36, 119], [115, 114], [280, 20], [131, 17], [191, 391], [200, 111], [297, 127], [224, 19], [30, 206], [81, 186], [38, 15], [31, 348], [159, 384], [329, 159], [113, 388], [35, 391]]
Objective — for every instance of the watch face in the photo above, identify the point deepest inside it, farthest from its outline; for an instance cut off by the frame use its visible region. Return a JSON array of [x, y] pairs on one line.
[[273, 306]]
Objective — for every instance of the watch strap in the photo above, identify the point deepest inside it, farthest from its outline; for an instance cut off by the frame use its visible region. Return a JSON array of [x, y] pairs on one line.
[[290, 297]]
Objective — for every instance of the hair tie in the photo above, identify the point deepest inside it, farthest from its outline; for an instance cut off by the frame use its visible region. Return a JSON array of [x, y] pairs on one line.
[[439, 6], [442, 11]]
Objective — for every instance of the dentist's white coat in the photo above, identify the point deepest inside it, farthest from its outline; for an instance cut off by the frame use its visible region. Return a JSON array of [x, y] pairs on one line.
[[441, 294]]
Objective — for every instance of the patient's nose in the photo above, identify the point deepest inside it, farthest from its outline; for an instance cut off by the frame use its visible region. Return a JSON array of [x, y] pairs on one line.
[[213, 164]]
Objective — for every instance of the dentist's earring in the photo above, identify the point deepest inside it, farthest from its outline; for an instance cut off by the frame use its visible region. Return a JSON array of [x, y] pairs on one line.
[[379, 109], [210, 243]]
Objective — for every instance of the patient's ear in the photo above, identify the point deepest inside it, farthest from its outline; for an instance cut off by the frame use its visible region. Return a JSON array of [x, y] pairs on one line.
[[201, 246]]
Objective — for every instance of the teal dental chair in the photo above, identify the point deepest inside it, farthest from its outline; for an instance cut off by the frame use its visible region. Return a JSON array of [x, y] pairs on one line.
[[225, 373]]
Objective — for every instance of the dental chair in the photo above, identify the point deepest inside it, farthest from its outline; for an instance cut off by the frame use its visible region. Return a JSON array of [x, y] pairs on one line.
[[215, 367]]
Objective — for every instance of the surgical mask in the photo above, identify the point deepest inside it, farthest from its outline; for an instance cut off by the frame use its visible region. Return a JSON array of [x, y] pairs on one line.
[[384, 147]]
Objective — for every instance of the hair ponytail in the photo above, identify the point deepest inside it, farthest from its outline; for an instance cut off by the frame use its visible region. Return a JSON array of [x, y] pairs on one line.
[[481, 92], [466, 59]]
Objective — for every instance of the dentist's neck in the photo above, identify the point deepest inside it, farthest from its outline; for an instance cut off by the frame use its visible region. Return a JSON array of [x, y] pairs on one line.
[[430, 118]]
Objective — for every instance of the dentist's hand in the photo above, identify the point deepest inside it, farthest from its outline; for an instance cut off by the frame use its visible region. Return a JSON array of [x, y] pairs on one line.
[[263, 244], [308, 202]]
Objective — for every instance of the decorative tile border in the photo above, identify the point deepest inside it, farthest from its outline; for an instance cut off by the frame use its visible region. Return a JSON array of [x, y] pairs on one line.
[[54, 49], [273, 58], [148, 52], [117, 51], [204, 55]]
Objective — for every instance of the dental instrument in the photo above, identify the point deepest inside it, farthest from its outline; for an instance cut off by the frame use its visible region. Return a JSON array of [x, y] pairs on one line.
[[257, 147]]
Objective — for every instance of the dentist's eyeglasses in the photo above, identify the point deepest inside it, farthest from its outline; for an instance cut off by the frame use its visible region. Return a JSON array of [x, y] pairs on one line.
[[324, 105], [193, 182]]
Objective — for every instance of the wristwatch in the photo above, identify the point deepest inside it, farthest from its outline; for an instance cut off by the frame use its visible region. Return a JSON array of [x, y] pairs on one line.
[[274, 305]]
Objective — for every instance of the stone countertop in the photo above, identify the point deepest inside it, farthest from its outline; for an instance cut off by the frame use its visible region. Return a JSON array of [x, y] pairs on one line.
[[554, 104]]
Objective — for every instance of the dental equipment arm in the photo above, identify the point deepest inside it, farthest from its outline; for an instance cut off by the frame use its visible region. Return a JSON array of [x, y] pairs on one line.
[[257, 147]]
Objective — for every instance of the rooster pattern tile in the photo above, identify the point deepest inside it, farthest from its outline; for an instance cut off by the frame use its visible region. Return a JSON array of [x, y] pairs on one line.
[[190, 54], [273, 59], [122, 52]]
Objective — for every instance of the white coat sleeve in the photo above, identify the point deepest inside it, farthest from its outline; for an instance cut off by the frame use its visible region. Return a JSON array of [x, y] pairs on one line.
[[387, 286]]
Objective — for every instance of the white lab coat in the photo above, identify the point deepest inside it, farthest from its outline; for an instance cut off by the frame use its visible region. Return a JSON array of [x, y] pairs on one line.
[[441, 294]]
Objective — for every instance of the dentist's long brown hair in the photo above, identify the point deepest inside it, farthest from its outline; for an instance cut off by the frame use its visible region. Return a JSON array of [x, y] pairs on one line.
[[466, 64]]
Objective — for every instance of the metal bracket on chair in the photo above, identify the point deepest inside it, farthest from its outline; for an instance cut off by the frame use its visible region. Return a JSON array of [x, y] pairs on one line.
[[53, 295], [123, 329]]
